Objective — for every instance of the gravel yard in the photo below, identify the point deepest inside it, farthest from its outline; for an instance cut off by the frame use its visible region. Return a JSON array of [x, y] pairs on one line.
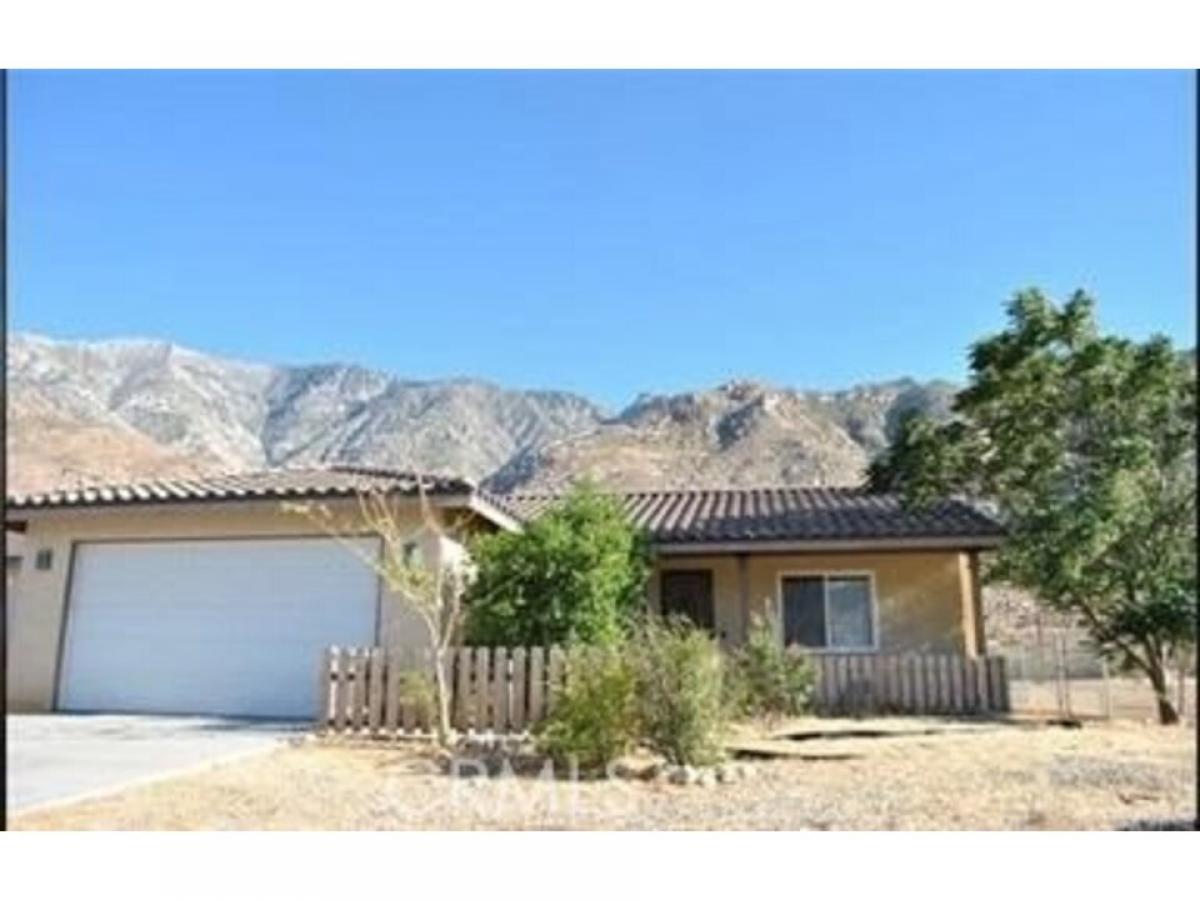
[[918, 774]]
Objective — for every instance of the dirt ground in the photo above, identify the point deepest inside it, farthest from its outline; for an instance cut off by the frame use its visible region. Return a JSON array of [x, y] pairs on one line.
[[913, 774]]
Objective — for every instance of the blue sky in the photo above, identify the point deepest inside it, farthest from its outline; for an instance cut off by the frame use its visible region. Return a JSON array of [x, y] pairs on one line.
[[604, 232]]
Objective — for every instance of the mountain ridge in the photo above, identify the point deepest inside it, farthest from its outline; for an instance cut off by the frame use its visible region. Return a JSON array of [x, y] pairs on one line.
[[82, 411]]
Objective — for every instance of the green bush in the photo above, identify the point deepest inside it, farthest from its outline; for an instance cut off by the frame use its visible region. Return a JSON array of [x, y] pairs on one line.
[[416, 689], [768, 680], [576, 574], [680, 691], [594, 717]]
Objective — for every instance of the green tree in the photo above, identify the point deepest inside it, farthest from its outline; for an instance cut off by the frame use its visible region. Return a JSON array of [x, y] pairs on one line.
[[1086, 445], [574, 575]]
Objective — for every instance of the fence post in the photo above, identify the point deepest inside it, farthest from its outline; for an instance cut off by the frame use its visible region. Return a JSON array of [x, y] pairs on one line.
[[324, 686]]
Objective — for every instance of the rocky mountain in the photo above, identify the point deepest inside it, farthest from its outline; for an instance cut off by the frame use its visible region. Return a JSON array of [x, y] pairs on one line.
[[740, 433], [89, 411]]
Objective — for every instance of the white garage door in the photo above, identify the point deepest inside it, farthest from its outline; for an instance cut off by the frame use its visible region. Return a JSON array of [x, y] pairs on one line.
[[224, 627]]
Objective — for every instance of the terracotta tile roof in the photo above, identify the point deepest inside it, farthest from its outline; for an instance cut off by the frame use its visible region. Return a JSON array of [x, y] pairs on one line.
[[275, 484], [670, 516], [785, 514]]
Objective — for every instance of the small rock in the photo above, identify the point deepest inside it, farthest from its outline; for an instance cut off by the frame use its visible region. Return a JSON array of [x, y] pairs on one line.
[[635, 770], [682, 775], [726, 774], [706, 778]]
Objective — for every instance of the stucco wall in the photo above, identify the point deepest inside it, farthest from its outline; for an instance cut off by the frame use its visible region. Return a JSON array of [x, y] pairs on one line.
[[37, 597], [924, 600]]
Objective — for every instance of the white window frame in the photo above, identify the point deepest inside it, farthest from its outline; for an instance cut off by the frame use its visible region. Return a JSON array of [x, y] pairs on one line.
[[825, 575]]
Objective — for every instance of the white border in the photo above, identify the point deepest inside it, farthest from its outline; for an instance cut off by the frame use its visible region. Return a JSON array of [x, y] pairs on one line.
[[595, 34]]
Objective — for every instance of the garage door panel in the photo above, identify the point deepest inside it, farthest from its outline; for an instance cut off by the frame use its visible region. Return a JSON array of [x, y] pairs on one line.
[[224, 627]]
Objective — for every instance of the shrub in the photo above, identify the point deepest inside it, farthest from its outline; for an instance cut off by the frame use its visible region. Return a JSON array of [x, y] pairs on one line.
[[417, 689], [680, 691], [767, 679], [576, 574], [594, 718]]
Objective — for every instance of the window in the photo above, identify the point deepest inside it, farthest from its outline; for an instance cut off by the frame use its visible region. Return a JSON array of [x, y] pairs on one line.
[[689, 593], [828, 612]]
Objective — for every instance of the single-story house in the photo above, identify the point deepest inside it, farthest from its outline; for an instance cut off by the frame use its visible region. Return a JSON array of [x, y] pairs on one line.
[[214, 595]]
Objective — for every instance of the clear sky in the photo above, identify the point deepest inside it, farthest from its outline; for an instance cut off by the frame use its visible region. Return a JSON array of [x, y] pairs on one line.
[[604, 232]]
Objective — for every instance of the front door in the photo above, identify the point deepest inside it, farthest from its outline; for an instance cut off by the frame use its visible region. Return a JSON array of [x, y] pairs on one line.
[[689, 593]]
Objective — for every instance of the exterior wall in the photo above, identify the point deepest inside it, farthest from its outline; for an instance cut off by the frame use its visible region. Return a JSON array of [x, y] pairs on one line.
[[37, 599], [925, 602]]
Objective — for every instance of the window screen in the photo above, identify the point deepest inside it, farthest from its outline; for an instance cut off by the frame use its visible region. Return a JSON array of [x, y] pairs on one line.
[[849, 604], [828, 611], [804, 611]]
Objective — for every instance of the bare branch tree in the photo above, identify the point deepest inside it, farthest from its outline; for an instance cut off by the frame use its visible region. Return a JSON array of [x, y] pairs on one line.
[[430, 588]]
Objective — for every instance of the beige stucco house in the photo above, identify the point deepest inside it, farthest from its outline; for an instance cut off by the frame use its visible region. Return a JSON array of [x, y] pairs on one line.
[[215, 595]]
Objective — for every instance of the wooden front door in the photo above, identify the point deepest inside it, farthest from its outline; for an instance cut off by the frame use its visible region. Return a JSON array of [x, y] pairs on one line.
[[689, 592]]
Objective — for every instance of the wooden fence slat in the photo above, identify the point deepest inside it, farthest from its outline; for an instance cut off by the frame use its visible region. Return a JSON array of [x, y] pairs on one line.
[[362, 660], [968, 684], [344, 689], [537, 684], [943, 683], [427, 715], [862, 683], [479, 688], [374, 667], [978, 686], [391, 691], [461, 711], [827, 687], [325, 688], [1000, 685], [500, 690], [555, 672], [874, 681], [921, 683], [402, 661], [517, 710], [956, 683]]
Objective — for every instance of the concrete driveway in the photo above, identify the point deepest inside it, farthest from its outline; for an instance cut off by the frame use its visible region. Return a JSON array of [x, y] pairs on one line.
[[64, 757]]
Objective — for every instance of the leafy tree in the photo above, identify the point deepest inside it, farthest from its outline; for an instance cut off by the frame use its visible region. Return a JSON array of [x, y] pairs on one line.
[[1086, 445], [574, 575]]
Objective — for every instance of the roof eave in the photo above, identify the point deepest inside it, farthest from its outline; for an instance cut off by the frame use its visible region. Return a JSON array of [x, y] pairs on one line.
[[838, 545], [483, 507]]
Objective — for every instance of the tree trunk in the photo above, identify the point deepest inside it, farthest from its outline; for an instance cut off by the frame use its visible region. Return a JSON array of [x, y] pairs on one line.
[[443, 696], [1167, 715]]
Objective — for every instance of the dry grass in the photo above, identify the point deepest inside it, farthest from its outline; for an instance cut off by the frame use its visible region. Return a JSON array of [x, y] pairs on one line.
[[989, 776]]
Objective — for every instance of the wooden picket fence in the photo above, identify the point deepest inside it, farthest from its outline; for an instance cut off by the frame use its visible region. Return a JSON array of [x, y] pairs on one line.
[[499, 690], [881, 683]]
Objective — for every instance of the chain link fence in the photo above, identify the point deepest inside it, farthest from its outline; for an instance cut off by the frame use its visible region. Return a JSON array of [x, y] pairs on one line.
[[1058, 674]]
